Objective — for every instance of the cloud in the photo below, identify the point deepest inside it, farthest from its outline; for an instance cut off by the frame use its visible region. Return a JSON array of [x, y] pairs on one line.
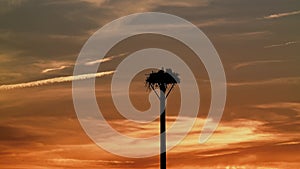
[[247, 35], [242, 142], [228, 133], [217, 22], [52, 65], [53, 69], [281, 44], [6, 6], [72, 161], [105, 59], [275, 81], [279, 15], [281, 105], [57, 12], [252, 63], [54, 80], [95, 2]]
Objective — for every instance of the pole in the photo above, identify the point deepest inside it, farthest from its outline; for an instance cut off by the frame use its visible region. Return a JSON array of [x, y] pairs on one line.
[[163, 152]]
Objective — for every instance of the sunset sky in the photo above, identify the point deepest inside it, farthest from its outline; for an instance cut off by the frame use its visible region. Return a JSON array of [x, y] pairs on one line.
[[258, 42]]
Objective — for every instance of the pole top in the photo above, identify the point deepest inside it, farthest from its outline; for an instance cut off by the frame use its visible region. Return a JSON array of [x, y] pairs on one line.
[[162, 78]]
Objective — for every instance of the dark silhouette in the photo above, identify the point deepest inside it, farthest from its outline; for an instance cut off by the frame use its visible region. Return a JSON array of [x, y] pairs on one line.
[[162, 80]]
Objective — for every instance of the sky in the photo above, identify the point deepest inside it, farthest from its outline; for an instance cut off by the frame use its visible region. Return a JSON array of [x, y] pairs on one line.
[[258, 43]]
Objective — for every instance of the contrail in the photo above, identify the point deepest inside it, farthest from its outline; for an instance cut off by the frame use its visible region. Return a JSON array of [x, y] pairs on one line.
[[54, 80]]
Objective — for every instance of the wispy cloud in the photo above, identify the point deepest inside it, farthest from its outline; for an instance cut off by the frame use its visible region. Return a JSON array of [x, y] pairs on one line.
[[217, 22], [239, 131], [281, 105], [279, 15], [235, 141], [252, 63], [247, 35], [73, 161], [54, 80], [281, 44], [53, 69], [47, 66], [275, 81], [105, 59]]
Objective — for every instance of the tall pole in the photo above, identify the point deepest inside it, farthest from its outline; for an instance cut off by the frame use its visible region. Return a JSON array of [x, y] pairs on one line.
[[163, 152], [163, 80]]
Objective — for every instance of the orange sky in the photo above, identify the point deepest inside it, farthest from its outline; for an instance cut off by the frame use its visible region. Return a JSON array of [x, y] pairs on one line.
[[258, 43]]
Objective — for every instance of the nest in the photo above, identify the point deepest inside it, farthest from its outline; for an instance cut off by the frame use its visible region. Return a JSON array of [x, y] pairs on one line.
[[165, 78]]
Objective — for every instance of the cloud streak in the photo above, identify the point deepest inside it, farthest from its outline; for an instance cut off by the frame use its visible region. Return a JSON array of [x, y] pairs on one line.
[[105, 59], [247, 35], [280, 15], [252, 63], [275, 81], [282, 44], [54, 69], [234, 141], [54, 80], [295, 106], [236, 132]]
